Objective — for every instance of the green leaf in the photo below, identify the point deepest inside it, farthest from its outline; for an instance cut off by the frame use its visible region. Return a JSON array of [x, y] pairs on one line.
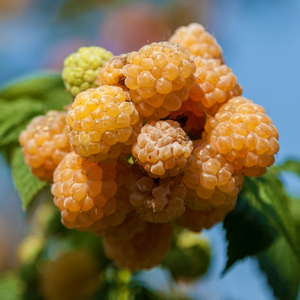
[[57, 99], [31, 86], [12, 136], [261, 211], [280, 263], [19, 112], [294, 206], [9, 108], [274, 201], [7, 152], [26, 184], [247, 231], [11, 286], [291, 166]]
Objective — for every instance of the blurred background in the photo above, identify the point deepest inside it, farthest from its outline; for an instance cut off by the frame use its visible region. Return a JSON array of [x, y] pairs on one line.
[[260, 41]]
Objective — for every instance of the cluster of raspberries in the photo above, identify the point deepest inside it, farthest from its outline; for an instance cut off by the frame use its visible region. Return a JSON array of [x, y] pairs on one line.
[[163, 136]]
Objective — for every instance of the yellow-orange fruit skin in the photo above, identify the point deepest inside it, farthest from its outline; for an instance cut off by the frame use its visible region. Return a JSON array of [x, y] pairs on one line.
[[197, 41], [156, 202], [245, 135], [196, 220], [45, 142], [146, 250], [101, 121], [162, 149], [215, 84], [158, 78], [86, 193], [111, 72], [211, 180], [130, 226], [58, 278]]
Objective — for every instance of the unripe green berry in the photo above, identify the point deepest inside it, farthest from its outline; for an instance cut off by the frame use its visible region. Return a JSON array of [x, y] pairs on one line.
[[81, 68]]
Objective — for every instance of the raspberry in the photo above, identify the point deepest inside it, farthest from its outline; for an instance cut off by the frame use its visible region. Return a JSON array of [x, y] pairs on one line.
[[158, 77], [81, 68], [111, 72], [196, 220], [45, 142], [130, 226], [215, 84], [162, 148], [156, 202], [100, 121], [86, 193], [146, 250], [245, 135], [210, 179], [71, 269], [191, 123], [197, 41]]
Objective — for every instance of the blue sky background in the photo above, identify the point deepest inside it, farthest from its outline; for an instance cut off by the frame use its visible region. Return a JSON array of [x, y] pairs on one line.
[[261, 43]]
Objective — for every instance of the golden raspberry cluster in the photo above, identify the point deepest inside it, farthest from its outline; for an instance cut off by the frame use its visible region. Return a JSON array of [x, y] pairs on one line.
[[196, 220], [112, 73], [100, 119], [212, 179], [197, 41], [158, 77], [85, 193], [77, 268], [215, 84], [245, 135], [156, 202], [45, 143], [144, 251], [164, 138], [162, 148]]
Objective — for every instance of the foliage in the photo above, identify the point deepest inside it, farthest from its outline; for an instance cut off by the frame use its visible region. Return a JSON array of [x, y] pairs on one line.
[[247, 231], [189, 257], [265, 224], [11, 287], [27, 184], [281, 266]]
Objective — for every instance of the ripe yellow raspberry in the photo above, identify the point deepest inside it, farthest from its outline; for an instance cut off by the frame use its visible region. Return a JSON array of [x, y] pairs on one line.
[[211, 179], [124, 223], [130, 226], [146, 250], [245, 135], [162, 148], [111, 73], [158, 77], [86, 192], [72, 269], [197, 41], [156, 201], [100, 120], [196, 220], [81, 68], [215, 84], [45, 142], [191, 120]]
